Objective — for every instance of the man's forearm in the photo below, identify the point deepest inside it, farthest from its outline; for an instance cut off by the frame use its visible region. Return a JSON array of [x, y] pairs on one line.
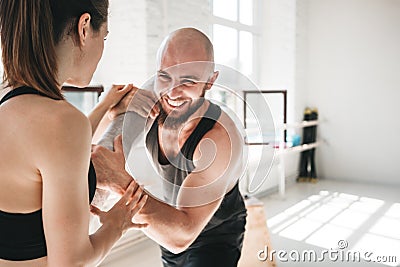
[[168, 226], [114, 129], [134, 127], [107, 141]]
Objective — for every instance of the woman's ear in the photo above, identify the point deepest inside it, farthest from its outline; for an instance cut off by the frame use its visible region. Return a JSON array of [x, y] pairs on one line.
[[83, 28]]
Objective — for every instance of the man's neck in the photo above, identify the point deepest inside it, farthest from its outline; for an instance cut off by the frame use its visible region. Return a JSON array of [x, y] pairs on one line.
[[171, 140]]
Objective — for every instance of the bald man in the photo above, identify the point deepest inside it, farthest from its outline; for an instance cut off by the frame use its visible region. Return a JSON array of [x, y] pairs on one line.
[[197, 149]]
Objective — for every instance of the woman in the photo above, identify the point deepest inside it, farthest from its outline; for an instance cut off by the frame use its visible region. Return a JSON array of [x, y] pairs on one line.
[[46, 142]]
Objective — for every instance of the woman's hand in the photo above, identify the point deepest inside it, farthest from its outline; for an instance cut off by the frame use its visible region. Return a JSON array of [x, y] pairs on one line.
[[112, 98], [121, 214], [110, 167], [141, 101], [115, 94]]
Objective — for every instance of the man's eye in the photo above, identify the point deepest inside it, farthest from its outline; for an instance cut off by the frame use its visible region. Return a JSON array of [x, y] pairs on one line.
[[164, 77], [188, 82]]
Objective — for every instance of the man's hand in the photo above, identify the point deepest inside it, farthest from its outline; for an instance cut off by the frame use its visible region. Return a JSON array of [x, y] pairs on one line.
[[137, 100], [110, 167]]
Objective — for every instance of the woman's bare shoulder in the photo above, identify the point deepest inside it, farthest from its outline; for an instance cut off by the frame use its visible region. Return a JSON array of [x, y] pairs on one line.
[[51, 120]]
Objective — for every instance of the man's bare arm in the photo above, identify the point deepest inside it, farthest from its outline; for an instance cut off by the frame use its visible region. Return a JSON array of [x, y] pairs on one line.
[[201, 194]]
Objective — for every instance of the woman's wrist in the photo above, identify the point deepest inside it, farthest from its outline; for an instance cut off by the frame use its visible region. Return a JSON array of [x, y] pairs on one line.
[[116, 229], [124, 179], [104, 106]]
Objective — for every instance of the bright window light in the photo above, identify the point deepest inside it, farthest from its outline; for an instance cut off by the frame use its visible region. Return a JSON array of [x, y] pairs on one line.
[[379, 246], [246, 12], [349, 197], [367, 205], [298, 207], [389, 227], [341, 202], [315, 198], [350, 219], [235, 35], [309, 209], [328, 236], [301, 229], [394, 211], [246, 52], [225, 45], [324, 213], [280, 218], [226, 9], [285, 224], [324, 193]]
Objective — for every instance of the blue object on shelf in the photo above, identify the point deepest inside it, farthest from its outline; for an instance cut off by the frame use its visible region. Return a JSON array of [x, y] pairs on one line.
[[296, 140]]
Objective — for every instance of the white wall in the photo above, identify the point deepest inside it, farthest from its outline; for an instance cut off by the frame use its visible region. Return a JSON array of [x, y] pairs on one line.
[[353, 77], [136, 31], [124, 59], [278, 33], [165, 16], [278, 68]]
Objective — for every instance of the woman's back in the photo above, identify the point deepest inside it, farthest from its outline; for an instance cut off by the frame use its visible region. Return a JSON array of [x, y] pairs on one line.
[[46, 143], [24, 121]]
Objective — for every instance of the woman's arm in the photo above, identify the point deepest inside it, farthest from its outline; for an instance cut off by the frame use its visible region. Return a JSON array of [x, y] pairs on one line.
[[112, 98], [63, 152]]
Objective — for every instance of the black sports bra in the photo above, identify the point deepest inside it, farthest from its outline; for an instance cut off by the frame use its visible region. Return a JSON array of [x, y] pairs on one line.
[[21, 234]]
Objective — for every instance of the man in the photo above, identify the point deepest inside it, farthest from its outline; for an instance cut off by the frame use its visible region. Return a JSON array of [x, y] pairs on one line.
[[198, 151]]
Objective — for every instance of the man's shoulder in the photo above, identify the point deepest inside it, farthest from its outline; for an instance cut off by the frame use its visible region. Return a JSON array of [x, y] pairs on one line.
[[224, 127]]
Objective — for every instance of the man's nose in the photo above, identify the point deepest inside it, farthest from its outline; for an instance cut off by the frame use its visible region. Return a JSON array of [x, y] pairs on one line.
[[175, 93]]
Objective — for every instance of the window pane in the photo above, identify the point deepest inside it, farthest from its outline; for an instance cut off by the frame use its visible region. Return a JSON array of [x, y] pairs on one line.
[[226, 9], [246, 12], [225, 45], [84, 101], [246, 53]]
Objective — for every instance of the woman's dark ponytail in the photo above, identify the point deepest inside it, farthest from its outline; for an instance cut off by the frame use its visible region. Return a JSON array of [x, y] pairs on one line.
[[30, 31], [28, 49]]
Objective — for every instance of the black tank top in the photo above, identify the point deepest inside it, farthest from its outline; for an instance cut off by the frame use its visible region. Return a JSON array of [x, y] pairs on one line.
[[21, 234], [228, 222]]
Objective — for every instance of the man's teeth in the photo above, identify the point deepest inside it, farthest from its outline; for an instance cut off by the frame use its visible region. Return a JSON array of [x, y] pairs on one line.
[[175, 103]]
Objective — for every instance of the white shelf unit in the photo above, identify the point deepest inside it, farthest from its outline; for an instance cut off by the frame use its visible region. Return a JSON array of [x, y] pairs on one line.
[[282, 151]]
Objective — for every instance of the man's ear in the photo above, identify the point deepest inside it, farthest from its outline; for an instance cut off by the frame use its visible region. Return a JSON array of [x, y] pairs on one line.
[[211, 80], [83, 28]]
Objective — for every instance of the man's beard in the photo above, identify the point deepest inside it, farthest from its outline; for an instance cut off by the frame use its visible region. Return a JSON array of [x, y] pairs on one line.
[[169, 122]]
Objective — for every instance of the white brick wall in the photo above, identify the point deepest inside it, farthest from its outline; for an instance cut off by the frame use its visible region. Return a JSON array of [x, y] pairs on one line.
[[136, 31], [124, 59], [300, 94], [278, 33], [165, 16]]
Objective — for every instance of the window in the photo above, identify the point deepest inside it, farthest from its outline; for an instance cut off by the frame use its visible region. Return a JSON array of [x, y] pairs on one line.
[[234, 33], [83, 99]]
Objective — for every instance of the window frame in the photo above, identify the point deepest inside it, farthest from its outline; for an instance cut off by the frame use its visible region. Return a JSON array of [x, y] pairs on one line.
[[254, 30]]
